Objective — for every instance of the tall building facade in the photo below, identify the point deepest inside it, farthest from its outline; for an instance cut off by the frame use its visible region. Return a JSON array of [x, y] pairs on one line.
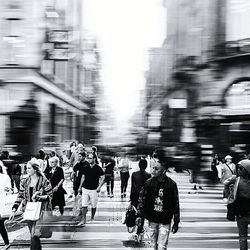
[[206, 89], [42, 73]]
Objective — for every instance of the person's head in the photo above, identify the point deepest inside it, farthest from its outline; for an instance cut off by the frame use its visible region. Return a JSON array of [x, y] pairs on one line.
[[53, 162], [94, 149], [33, 168], [41, 154], [91, 158], [228, 158], [5, 154], [160, 155], [82, 156], [80, 148], [73, 143], [157, 168], [143, 164], [243, 168]]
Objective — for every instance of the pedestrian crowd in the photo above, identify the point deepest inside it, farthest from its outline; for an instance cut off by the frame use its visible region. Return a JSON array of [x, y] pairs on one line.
[[153, 196]]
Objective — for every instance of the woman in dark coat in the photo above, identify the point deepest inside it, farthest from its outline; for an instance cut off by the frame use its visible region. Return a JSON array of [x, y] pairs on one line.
[[55, 175]]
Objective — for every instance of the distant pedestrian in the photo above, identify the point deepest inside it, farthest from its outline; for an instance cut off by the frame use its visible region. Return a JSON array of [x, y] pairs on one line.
[[227, 171], [72, 148], [5, 187], [8, 163], [124, 166], [108, 166], [240, 198], [91, 183], [214, 168], [159, 204], [42, 159], [55, 175], [17, 172], [138, 180], [95, 154]]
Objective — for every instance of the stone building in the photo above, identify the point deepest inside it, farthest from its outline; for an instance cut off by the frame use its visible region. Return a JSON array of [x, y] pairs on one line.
[[42, 74]]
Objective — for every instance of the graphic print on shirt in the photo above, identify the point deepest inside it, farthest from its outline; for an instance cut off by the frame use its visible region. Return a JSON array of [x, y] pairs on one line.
[[158, 203]]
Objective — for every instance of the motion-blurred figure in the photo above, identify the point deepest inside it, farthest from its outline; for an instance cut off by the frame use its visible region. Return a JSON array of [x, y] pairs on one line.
[[8, 163], [108, 166], [5, 186], [124, 165], [214, 168], [241, 199], [138, 180], [227, 171]]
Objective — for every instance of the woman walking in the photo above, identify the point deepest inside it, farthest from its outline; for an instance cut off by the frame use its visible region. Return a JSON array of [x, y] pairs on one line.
[[55, 175], [240, 198], [35, 187], [124, 172]]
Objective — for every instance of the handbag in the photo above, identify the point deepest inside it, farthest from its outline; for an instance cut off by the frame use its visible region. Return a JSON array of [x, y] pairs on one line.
[[6, 207], [130, 218], [231, 211], [32, 211]]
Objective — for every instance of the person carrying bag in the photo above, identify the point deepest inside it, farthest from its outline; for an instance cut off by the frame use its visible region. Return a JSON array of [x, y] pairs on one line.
[[37, 189], [239, 201]]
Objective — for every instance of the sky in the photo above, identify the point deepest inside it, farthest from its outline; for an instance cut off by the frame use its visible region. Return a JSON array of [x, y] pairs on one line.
[[125, 29]]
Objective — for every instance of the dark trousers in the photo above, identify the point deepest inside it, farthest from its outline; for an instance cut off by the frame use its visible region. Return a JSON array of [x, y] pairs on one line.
[[124, 181], [3, 232], [242, 224], [17, 179], [110, 184]]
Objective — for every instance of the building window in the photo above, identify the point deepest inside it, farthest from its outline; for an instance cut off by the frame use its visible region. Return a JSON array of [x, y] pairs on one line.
[[237, 17]]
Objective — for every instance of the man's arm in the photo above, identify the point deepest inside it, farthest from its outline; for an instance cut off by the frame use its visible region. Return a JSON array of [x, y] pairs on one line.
[[176, 205], [81, 183], [101, 182]]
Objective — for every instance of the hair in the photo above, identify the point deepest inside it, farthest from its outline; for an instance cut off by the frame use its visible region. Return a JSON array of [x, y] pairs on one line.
[[94, 148], [54, 158], [143, 164], [73, 143], [41, 154], [83, 154], [160, 154], [35, 166], [1, 170]]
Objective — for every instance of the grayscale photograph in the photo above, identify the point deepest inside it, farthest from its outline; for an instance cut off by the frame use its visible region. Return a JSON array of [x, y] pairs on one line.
[[124, 124]]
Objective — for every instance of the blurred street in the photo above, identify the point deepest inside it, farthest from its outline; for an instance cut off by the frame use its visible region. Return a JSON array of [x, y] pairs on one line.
[[203, 224], [103, 83]]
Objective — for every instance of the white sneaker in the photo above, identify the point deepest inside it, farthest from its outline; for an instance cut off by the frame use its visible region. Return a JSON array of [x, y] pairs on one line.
[[81, 224]]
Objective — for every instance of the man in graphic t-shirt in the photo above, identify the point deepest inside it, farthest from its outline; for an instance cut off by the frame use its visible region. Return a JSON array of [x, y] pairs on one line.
[[90, 185], [159, 204]]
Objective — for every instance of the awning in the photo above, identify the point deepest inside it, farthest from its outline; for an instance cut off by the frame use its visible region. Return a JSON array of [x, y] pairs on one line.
[[22, 75]]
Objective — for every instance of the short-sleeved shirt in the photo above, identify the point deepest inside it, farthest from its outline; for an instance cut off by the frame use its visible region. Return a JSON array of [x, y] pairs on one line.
[[78, 168], [92, 176]]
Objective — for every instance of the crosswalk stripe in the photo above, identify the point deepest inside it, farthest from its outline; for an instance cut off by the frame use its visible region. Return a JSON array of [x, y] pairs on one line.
[[203, 224]]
